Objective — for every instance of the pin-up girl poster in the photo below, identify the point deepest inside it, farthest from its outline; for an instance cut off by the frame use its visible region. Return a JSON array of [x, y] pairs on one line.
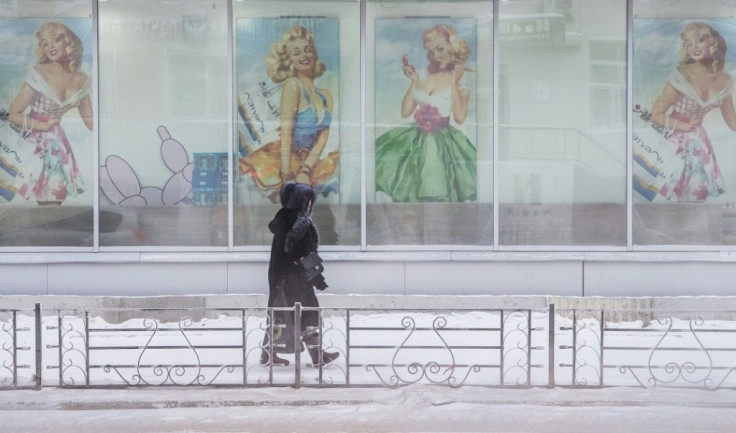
[[425, 116], [684, 116], [46, 116], [287, 103]]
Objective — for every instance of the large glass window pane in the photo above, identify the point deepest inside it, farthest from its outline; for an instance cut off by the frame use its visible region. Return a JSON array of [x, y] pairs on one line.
[[297, 83], [163, 123], [429, 136], [46, 122], [562, 173], [684, 175]]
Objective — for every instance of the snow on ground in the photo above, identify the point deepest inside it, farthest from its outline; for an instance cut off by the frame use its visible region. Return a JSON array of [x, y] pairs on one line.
[[417, 408]]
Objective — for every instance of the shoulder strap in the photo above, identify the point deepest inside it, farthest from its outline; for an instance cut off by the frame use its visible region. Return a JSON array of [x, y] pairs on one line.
[[305, 94]]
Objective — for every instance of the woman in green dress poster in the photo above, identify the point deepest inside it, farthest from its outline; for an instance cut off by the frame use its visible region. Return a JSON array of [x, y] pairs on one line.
[[430, 160]]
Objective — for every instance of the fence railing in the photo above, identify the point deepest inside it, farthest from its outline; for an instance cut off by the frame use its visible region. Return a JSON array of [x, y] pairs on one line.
[[233, 347], [651, 348], [18, 357]]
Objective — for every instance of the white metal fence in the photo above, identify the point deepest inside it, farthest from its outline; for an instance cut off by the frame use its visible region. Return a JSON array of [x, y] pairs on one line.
[[377, 347]]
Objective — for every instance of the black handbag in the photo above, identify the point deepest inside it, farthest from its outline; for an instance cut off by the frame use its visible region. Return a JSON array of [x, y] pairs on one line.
[[310, 265]]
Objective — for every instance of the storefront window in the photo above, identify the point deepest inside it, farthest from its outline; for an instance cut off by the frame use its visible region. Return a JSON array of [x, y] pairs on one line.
[[608, 84], [562, 150], [163, 123], [684, 176], [119, 125], [46, 124], [429, 109], [297, 83]]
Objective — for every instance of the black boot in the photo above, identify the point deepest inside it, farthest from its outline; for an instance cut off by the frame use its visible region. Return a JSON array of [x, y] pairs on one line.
[[311, 338], [327, 357], [278, 361]]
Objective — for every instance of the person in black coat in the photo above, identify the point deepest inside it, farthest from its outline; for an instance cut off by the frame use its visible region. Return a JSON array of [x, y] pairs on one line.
[[294, 236]]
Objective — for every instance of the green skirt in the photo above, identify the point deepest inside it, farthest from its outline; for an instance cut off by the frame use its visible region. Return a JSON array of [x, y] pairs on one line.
[[438, 166]]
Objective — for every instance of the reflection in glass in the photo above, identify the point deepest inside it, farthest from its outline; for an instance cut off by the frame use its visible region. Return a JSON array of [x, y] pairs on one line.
[[163, 125], [562, 153]]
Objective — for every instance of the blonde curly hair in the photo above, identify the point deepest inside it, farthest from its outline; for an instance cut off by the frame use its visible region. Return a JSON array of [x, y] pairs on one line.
[[278, 63], [459, 47], [717, 46], [74, 47]]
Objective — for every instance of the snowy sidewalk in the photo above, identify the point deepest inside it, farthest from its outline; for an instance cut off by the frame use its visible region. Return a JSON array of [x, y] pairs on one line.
[[420, 408], [172, 397]]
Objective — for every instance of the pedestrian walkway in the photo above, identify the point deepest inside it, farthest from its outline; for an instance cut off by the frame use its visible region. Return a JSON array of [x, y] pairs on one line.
[[418, 408]]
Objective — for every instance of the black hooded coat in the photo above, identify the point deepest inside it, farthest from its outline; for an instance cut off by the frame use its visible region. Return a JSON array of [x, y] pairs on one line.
[[294, 236]]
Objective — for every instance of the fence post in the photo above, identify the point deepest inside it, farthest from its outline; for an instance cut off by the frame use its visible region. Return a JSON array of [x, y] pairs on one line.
[[603, 331], [15, 348], [551, 349], [86, 347], [39, 347], [347, 347], [297, 345]]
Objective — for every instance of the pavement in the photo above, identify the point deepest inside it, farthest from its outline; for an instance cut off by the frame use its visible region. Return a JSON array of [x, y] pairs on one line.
[[187, 397], [417, 408]]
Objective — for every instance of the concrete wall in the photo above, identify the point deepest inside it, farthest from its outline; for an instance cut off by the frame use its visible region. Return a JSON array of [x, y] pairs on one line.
[[405, 273], [193, 303]]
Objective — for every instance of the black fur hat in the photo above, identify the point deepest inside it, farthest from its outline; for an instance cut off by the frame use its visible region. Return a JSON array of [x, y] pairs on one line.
[[300, 198]]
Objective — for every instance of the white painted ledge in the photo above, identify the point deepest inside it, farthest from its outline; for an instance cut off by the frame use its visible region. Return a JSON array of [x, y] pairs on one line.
[[20, 257]]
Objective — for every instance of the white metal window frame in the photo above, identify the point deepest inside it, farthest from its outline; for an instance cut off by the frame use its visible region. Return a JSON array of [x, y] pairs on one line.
[[364, 251]]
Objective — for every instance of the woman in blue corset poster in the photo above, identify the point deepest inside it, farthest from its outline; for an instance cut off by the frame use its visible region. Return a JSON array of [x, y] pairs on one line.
[[299, 95], [430, 158]]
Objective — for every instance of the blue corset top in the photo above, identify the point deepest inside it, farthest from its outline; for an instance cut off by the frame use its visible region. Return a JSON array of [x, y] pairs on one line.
[[306, 124]]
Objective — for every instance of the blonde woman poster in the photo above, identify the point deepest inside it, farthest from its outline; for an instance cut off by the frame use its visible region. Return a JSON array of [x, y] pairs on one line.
[[287, 81], [684, 144], [46, 112], [425, 110]]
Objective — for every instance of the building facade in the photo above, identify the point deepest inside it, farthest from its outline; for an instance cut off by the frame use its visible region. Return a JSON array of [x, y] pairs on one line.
[[518, 147]]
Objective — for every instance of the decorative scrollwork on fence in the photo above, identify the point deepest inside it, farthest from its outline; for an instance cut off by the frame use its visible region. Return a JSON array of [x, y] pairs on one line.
[[432, 371], [694, 365], [72, 346], [334, 340], [202, 380], [178, 374], [516, 347], [7, 349], [587, 353], [258, 333]]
